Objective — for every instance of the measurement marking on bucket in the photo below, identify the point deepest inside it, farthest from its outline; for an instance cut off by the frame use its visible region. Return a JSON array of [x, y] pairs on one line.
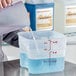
[[50, 53], [50, 42]]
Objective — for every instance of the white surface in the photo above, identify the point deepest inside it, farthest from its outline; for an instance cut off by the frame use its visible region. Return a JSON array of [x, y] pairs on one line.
[[71, 49], [59, 16], [71, 38], [71, 53], [11, 52]]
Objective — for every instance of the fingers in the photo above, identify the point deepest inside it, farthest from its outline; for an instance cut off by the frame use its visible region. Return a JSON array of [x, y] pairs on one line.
[[1, 4], [8, 2], [5, 3], [26, 29]]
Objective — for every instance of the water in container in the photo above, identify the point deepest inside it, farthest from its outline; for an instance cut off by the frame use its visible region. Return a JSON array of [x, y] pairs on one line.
[[44, 53]]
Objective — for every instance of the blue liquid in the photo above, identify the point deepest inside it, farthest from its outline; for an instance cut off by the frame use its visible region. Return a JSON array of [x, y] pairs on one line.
[[42, 65], [23, 60]]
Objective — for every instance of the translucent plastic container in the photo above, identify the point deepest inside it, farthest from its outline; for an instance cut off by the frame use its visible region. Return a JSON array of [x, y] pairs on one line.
[[43, 55]]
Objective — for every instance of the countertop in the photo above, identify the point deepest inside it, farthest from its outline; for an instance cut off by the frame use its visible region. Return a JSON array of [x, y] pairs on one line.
[[12, 68]]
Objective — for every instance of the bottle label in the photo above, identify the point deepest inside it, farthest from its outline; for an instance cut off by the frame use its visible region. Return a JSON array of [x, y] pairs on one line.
[[44, 18]]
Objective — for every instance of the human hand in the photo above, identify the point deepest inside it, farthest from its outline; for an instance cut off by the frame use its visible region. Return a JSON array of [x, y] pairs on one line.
[[5, 3], [26, 29]]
